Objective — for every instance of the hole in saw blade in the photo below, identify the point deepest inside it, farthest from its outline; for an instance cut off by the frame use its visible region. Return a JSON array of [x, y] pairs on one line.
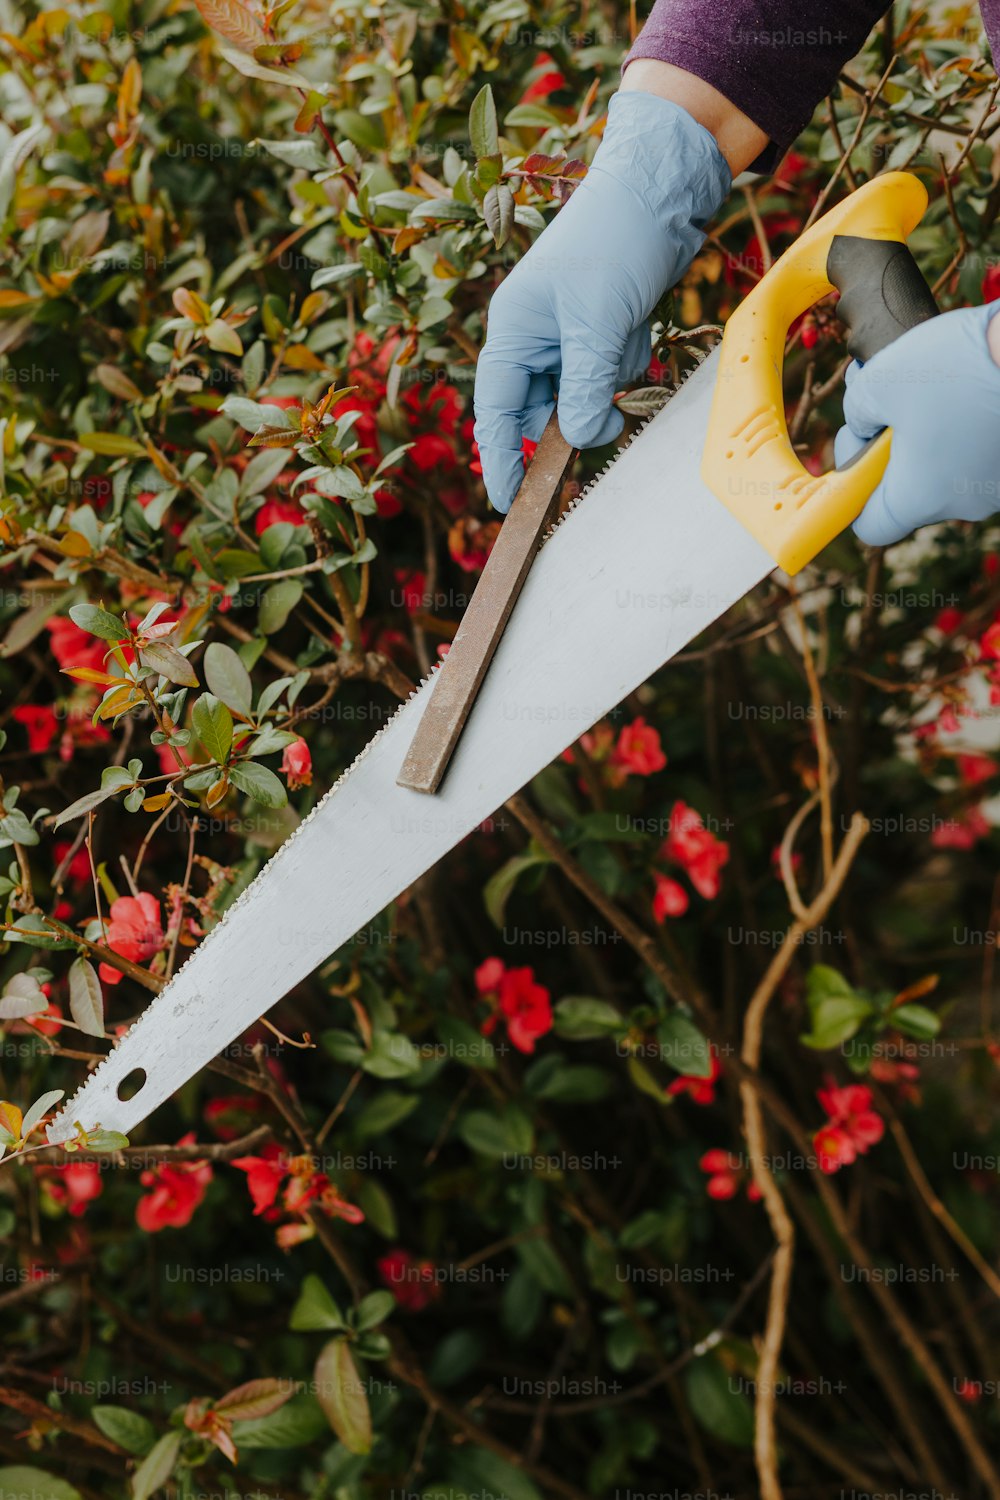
[[131, 1084]]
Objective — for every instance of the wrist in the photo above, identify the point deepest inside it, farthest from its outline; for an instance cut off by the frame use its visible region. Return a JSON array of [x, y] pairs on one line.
[[738, 138], [668, 163], [993, 334]]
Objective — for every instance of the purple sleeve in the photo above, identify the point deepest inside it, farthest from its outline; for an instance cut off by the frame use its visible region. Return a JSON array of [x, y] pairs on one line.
[[773, 59]]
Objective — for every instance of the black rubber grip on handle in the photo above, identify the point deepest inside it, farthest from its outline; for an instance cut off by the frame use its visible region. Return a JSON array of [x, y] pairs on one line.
[[882, 292]]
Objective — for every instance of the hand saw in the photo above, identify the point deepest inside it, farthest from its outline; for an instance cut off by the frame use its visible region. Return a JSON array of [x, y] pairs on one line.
[[696, 511]]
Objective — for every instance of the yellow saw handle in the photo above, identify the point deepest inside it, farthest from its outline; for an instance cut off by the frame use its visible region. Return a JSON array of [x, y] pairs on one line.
[[858, 249]]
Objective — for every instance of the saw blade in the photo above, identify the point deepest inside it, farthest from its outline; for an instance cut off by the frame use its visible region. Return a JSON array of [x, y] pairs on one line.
[[646, 559]]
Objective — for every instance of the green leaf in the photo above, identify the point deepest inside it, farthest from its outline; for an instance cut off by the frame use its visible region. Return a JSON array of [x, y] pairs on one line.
[[570, 1085], [259, 474], [277, 604], [38, 1110], [213, 724], [227, 677], [259, 783], [725, 1413], [97, 621], [433, 310], [315, 1309], [580, 1018], [462, 1043], [916, 1021], [252, 415], [498, 211], [361, 130], [157, 1467], [483, 131], [332, 275], [483, 1473], [498, 888], [129, 1429], [391, 1055], [530, 115], [388, 1109], [86, 998], [169, 662], [296, 1424], [112, 445], [33, 930], [106, 1140], [301, 153], [836, 1019], [341, 1394], [24, 1482], [822, 981], [683, 1047], [223, 338], [15, 827], [495, 1134], [84, 804], [373, 1310], [22, 996]]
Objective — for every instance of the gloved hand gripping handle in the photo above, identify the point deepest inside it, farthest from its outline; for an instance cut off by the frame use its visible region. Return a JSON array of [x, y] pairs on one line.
[[859, 249]]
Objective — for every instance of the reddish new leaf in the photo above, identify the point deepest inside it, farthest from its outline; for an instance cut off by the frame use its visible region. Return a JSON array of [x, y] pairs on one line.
[[257, 1398], [234, 22]]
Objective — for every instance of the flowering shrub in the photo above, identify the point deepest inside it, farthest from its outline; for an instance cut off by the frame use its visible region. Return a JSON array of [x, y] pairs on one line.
[[492, 1202]]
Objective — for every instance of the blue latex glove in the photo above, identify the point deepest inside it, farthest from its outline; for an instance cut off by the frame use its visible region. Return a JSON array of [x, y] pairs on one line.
[[574, 311], [938, 388]]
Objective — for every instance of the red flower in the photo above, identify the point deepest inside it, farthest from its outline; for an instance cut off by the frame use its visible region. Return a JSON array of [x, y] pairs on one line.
[[989, 642], [273, 511], [690, 844], [905, 1076], [134, 931], [78, 870], [177, 1190], [435, 403], [387, 504], [639, 749], [974, 769], [991, 283], [80, 732], [725, 1173], [948, 620], [296, 764], [412, 589], [74, 1185], [265, 1174], [73, 647], [46, 1022], [853, 1126], [304, 1188], [412, 1282], [431, 451], [670, 900], [515, 995], [548, 83], [527, 454], [700, 1090], [968, 1390], [963, 832], [41, 723]]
